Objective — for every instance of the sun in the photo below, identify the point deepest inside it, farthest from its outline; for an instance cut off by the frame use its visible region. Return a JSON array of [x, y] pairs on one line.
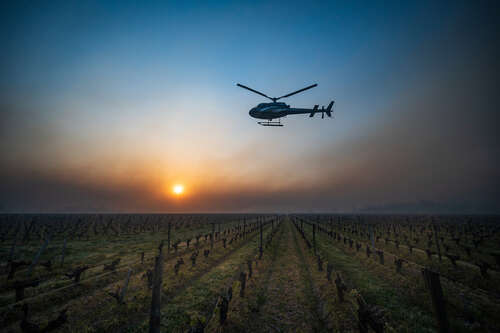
[[178, 189]]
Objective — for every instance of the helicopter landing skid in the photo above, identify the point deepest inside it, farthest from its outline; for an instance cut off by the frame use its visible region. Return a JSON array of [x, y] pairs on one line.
[[270, 123]]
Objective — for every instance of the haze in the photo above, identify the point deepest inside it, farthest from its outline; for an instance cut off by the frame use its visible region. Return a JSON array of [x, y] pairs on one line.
[[105, 106]]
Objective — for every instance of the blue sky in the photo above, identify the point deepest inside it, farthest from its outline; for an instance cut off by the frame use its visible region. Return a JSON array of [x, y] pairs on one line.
[[126, 98]]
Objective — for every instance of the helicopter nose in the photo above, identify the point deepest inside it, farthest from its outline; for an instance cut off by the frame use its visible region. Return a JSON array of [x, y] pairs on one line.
[[252, 112]]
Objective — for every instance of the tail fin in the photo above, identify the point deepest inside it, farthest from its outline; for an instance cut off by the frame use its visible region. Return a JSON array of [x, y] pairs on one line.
[[329, 109], [314, 110]]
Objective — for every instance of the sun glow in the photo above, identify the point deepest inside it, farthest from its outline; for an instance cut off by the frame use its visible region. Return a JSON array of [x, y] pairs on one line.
[[178, 189]]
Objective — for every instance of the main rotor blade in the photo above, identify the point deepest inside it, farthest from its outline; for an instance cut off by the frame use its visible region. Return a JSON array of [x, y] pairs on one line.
[[252, 90], [296, 92]]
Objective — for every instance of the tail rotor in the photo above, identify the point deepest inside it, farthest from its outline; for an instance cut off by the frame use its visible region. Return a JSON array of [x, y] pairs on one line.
[[328, 110]]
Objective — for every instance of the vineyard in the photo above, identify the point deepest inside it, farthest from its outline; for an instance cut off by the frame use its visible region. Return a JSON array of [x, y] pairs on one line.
[[249, 273]]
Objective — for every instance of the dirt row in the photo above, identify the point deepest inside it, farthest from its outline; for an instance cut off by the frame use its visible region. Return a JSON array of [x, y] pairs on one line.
[[289, 294]]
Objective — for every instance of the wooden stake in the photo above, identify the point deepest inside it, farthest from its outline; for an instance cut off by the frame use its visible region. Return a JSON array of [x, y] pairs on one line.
[[314, 238], [125, 286], [437, 239], [434, 285], [155, 315], [260, 246], [168, 240], [212, 237], [37, 256], [63, 252]]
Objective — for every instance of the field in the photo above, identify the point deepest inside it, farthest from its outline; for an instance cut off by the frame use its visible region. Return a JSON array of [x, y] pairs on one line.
[[249, 273]]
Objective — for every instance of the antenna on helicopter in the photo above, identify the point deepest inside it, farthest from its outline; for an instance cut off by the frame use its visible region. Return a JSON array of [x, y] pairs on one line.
[[274, 99]]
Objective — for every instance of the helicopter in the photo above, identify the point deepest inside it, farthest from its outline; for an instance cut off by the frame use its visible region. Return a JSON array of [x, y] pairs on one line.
[[276, 110]]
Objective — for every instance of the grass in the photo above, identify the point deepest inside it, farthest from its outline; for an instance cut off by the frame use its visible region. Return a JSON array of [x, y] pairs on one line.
[[90, 297], [375, 289], [287, 291]]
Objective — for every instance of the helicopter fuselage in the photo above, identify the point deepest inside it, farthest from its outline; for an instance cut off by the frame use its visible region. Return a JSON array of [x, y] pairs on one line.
[[275, 110]]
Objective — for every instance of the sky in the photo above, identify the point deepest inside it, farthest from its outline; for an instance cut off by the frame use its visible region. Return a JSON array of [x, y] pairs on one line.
[[106, 105]]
